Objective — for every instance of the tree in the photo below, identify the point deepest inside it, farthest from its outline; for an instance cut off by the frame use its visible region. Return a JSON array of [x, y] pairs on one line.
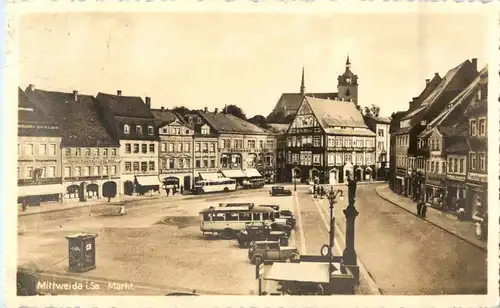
[[373, 111], [181, 110], [259, 120], [236, 111]]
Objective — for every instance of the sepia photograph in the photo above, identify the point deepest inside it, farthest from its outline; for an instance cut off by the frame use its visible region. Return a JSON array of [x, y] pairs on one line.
[[263, 154]]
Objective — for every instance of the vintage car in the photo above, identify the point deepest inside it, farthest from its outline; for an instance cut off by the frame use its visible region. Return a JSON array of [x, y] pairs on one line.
[[282, 217], [253, 183], [260, 232], [262, 251], [280, 191]]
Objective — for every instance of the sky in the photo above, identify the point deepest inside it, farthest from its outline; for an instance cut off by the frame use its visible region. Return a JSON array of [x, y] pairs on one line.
[[215, 59]]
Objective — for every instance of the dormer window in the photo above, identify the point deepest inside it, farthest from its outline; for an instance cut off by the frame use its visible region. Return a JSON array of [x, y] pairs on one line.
[[205, 130], [138, 130], [150, 130], [126, 129], [190, 119], [164, 130], [198, 120]]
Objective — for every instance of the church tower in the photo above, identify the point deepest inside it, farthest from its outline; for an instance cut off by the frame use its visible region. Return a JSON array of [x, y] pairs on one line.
[[348, 84]]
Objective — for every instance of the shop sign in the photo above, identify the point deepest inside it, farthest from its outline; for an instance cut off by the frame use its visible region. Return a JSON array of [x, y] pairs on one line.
[[460, 178], [478, 177]]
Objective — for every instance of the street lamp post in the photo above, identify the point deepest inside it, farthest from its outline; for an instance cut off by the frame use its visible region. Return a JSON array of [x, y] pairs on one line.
[[332, 196], [350, 212]]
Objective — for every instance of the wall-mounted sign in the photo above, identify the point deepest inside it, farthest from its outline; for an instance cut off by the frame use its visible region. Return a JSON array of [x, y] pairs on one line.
[[478, 177]]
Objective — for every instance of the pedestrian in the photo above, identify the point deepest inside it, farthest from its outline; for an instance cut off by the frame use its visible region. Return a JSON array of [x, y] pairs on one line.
[[424, 210], [322, 192], [168, 191], [419, 208], [182, 189], [174, 190]]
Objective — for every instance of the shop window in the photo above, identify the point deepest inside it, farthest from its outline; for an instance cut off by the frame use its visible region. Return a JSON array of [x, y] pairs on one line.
[[144, 166]]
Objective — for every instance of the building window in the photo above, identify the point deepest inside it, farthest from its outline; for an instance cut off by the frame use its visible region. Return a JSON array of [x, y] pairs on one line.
[[96, 170], [171, 147], [136, 148], [482, 162], [187, 163], [164, 130], [270, 144], [433, 145], [105, 152], [239, 144], [29, 172], [87, 152], [359, 159], [96, 151], [225, 144], [317, 141], [198, 163], [151, 166], [113, 170], [113, 152], [105, 170], [52, 150], [171, 163], [150, 130], [197, 147], [482, 127], [428, 166], [450, 165], [359, 143], [455, 165], [128, 148], [179, 147], [152, 148], [128, 166], [432, 167], [144, 166], [163, 147], [251, 144], [205, 147], [187, 131], [212, 147], [126, 129], [78, 171], [87, 171], [205, 163], [289, 142], [144, 148], [295, 158], [187, 147], [380, 145], [42, 149], [472, 161], [212, 163], [380, 132], [472, 126], [348, 158], [135, 166], [67, 152], [461, 165], [67, 172], [261, 144], [138, 130], [317, 159], [198, 120]]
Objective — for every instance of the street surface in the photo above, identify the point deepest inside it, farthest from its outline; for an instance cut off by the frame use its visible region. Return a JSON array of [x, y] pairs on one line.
[[158, 243]]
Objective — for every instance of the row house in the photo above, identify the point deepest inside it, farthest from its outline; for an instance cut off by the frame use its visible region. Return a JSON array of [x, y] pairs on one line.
[[411, 160], [380, 126], [38, 155], [393, 128], [89, 154], [445, 138], [327, 141], [280, 131], [131, 121], [175, 149], [245, 150]]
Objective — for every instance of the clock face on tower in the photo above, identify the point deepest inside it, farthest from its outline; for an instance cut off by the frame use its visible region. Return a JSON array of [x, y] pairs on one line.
[[348, 80]]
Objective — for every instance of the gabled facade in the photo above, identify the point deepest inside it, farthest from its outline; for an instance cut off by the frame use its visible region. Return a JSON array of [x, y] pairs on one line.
[[328, 140], [380, 126], [90, 161], [131, 121], [38, 155], [175, 149]]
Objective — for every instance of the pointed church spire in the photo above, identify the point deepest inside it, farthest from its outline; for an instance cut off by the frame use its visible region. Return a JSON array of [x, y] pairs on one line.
[[302, 84], [348, 62]]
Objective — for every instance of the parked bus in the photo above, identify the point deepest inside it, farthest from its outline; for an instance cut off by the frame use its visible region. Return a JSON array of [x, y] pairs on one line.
[[227, 221], [216, 185]]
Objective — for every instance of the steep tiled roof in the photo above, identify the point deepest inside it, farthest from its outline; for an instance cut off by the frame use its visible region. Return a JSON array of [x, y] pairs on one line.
[[464, 97], [291, 101], [79, 120], [331, 113], [125, 106], [27, 111], [458, 147], [227, 123], [385, 120], [166, 116]]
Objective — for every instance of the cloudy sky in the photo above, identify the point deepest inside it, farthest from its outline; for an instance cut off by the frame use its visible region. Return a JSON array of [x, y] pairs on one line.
[[209, 60]]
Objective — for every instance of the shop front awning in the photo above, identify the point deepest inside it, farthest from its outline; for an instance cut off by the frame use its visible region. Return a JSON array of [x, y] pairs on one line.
[[148, 180], [252, 173], [210, 176], [304, 271], [39, 190], [234, 174]]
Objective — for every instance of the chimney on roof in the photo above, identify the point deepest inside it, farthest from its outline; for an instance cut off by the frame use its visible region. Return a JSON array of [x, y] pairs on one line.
[[119, 92], [436, 74], [32, 87], [206, 109], [474, 63], [148, 101], [162, 108], [427, 81], [75, 95], [216, 110]]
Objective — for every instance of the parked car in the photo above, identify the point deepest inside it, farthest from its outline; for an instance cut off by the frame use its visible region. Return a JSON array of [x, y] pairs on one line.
[[262, 251], [280, 191], [288, 216], [253, 233]]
